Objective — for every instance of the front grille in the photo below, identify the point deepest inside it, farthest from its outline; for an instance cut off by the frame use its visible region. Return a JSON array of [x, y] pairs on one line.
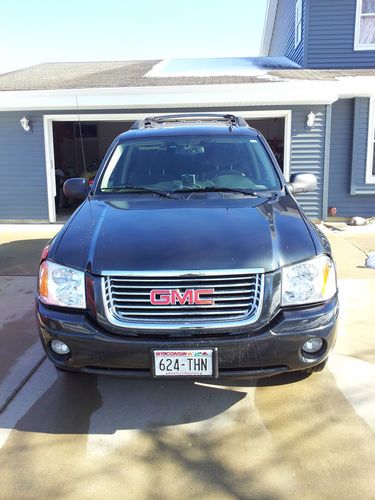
[[237, 297]]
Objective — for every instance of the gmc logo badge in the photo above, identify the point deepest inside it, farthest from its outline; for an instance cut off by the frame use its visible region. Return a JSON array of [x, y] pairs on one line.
[[173, 297]]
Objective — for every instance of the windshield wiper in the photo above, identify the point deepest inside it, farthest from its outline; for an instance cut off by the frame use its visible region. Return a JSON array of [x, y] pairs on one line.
[[140, 189], [218, 189]]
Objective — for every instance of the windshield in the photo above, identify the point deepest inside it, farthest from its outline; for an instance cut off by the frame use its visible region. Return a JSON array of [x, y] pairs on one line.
[[182, 163]]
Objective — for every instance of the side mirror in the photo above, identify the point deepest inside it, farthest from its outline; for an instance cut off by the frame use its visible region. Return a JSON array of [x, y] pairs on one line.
[[76, 188], [302, 183]]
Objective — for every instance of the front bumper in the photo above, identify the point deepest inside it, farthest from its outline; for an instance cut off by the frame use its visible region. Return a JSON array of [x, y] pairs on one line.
[[273, 349]]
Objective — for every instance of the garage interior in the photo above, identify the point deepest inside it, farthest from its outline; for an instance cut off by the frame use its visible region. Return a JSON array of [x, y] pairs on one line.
[[96, 138], [69, 150], [273, 130]]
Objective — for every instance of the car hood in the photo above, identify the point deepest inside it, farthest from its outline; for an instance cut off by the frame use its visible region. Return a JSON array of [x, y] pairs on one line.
[[200, 233]]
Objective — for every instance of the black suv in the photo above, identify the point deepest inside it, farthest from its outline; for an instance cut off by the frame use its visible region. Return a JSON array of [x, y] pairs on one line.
[[189, 257]]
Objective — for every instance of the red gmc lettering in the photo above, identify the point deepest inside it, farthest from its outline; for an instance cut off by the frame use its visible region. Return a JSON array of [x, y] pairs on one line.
[[173, 297], [177, 298], [160, 297], [205, 291]]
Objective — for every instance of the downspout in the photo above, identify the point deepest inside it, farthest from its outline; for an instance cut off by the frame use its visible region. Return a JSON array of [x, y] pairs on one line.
[[326, 164]]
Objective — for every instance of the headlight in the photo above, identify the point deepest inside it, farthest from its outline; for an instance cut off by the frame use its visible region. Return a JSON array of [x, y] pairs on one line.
[[313, 280], [61, 286]]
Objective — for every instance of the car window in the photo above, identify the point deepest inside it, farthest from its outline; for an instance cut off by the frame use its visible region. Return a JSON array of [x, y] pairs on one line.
[[175, 163]]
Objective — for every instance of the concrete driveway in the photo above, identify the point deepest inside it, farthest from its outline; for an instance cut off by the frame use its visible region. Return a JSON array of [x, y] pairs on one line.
[[80, 436]]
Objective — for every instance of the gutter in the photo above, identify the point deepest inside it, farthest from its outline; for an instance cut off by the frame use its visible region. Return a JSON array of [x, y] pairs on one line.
[[274, 93], [234, 95]]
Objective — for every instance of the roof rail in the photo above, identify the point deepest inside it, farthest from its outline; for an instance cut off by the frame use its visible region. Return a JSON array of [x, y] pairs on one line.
[[151, 121]]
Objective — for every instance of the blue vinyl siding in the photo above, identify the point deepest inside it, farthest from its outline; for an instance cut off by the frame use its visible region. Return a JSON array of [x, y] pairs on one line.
[[343, 136], [282, 42], [307, 154], [330, 43], [23, 189]]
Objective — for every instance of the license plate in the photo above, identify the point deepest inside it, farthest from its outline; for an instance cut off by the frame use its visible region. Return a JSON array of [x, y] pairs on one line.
[[184, 363]]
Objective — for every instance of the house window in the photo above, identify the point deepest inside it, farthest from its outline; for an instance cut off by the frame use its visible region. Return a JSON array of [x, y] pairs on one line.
[[298, 23], [365, 25], [370, 167]]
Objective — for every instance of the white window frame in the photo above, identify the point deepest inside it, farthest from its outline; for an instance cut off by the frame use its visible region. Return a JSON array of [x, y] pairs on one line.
[[357, 45], [370, 177], [297, 23]]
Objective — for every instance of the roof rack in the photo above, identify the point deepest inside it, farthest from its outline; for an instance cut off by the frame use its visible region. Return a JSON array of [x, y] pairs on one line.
[[152, 121]]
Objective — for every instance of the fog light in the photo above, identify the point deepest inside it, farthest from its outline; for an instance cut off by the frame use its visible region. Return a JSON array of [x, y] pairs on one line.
[[59, 347], [313, 345]]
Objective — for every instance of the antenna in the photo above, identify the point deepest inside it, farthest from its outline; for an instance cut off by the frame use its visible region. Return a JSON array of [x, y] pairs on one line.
[[81, 137]]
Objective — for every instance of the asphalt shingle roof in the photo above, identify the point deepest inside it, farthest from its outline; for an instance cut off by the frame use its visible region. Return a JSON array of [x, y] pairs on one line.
[[77, 75]]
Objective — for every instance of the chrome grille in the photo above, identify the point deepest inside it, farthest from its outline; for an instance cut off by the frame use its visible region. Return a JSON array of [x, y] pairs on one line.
[[237, 297]]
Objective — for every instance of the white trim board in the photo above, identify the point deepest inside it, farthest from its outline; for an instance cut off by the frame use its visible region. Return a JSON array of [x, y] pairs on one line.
[[269, 23], [50, 168], [49, 150], [370, 179], [298, 20]]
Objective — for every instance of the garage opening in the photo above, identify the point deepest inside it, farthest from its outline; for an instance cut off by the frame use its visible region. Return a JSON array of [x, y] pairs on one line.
[[68, 154], [273, 130], [98, 135]]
